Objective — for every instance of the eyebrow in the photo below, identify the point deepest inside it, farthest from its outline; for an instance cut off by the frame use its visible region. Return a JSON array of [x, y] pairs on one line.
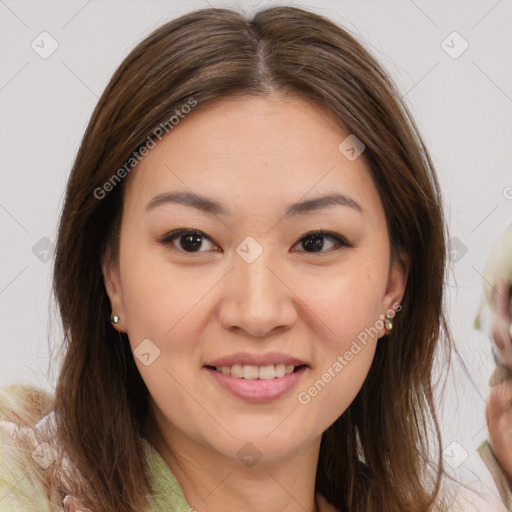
[[208, 205]]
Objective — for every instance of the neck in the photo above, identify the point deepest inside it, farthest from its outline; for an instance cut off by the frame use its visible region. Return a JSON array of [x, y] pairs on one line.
[[213, 482]]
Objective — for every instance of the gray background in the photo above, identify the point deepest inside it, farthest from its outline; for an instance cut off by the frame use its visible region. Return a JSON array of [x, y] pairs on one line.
[[463, 107]]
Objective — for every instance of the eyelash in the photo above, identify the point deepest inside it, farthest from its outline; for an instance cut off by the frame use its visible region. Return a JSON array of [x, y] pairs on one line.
[[340, 242]]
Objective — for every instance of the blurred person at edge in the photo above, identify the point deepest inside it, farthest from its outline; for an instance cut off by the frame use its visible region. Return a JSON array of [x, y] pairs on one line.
[[495, 318]]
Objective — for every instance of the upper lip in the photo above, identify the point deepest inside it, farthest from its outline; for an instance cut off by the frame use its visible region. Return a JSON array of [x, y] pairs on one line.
[[244, 358]]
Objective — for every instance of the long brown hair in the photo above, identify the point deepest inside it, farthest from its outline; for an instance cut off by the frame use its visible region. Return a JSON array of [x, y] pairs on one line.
[[377, 455]]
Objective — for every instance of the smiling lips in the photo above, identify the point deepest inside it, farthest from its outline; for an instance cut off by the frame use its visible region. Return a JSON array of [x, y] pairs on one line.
[[256, 366], [257, 378]]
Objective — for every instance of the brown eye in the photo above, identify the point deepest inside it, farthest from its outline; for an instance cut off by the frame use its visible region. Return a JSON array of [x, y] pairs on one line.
[[186, 240], [315, 242]]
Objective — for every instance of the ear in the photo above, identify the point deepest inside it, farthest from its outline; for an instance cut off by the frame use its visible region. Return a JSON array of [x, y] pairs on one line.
[[112, 281], [395, 289]]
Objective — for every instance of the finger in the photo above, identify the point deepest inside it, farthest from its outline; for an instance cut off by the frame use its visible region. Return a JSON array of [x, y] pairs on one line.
[[500, 399], [501, 334]]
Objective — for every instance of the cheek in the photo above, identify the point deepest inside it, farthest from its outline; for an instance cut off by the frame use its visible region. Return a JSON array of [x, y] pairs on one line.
[[343, 305], [160, 300], [342, 311], [165, 308], [333, 385]]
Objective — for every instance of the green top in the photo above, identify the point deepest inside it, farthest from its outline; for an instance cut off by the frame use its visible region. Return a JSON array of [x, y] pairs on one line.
[[168, 495], [23, 490]]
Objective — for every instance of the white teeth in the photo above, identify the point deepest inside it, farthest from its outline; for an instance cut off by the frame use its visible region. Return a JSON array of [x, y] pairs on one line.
[[236, 370], [280, 370], [266, 372], [251, 372]]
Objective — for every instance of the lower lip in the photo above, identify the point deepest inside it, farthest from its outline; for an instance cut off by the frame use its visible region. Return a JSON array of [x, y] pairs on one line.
[[258, 390]]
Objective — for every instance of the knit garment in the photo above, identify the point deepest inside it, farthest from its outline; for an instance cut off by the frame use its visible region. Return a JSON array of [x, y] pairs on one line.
[[23, 482]]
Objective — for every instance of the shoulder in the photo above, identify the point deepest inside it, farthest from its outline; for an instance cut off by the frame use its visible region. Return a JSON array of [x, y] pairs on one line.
[[23, 482]]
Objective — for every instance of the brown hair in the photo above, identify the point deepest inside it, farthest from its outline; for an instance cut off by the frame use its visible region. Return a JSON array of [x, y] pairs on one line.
[[376, 456]]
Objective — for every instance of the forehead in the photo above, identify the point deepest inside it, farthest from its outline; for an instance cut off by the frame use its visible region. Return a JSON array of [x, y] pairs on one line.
[[253, 149]]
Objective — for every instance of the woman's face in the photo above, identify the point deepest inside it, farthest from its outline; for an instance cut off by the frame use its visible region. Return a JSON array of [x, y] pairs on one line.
[[253, 286]]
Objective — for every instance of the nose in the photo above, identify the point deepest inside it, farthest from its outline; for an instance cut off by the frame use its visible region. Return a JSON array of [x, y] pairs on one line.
[[255, 298]]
